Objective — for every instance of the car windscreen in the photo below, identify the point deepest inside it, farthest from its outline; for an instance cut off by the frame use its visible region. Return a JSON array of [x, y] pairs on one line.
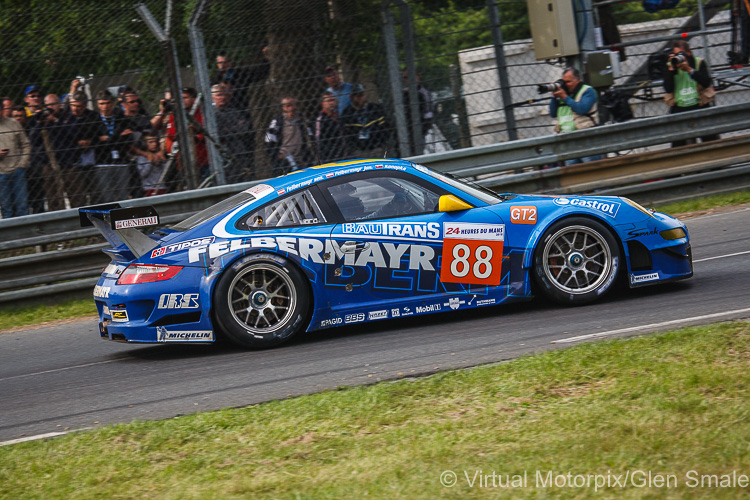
[[209, 213], [475, 190]]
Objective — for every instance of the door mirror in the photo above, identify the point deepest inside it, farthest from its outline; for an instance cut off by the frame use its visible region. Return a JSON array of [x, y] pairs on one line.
[[449, 203]]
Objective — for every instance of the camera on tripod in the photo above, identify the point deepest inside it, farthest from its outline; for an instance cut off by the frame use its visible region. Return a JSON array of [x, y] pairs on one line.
[[550, 87]]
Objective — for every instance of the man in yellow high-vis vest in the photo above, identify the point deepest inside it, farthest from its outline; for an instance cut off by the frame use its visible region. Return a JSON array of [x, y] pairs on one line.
[[687, 83], [574, 105]]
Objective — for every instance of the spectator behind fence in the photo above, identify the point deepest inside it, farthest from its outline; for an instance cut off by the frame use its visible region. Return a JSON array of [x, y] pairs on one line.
[[54, 133], [151, 168], [34, 172], [195, 118], [114, 138], [80, 181], [288, 139], [8, 105], [140, 124], [239, 79], [340, 89], [19, 114], [33, 98], [687, 84], [426, 113], [329, 136], [235, 134], [14, 158], [574, 104], [365, 127]]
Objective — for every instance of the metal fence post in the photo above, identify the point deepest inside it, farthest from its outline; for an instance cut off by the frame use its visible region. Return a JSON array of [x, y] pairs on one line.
[[463, 120], [175, 84], [200, 64], [389, 34], [502, 69], [411, 74]]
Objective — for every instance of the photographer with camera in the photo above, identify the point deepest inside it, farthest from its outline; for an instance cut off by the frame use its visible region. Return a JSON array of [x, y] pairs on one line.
[[687, 84], [574, 105]]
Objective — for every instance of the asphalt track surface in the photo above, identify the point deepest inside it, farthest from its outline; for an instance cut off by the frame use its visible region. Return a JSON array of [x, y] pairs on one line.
[[63, 377]]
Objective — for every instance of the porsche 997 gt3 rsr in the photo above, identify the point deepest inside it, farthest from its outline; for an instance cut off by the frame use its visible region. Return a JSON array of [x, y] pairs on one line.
[[367, 240]]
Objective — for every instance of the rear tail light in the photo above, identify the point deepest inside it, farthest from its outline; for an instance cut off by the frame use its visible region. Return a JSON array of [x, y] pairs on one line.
[[143, 273]]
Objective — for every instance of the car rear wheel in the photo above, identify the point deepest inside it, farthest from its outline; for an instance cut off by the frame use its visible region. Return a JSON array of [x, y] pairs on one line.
[[261, 301], [577, 261]]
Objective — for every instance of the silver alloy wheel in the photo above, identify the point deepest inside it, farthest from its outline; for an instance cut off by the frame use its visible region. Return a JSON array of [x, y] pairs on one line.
[[577, 259], [262, 299]]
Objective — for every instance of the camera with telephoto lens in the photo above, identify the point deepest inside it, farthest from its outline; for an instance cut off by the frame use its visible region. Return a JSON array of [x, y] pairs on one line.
[[678, 59], [167, 105], [45, 113], [550, 87]]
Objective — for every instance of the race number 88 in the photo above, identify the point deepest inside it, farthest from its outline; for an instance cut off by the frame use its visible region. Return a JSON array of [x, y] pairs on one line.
[[460, 265], [471, 261]]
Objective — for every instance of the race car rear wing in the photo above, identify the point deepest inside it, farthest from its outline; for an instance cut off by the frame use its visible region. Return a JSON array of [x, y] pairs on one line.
[[120, 225]]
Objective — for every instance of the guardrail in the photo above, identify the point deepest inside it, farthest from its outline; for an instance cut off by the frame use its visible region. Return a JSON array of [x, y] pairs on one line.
[[647, 177]]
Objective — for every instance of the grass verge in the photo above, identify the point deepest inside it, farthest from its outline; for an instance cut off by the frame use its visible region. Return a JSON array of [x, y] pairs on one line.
[[705, 203], [673, 405], [12, 317]]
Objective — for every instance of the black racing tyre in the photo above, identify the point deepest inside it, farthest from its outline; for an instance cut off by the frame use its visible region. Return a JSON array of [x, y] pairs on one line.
[[577, 261], [261, 301]]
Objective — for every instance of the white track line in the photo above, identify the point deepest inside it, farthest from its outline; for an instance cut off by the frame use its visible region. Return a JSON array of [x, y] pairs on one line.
[[32, 438], [60, 369], [721, 256], [653, 325]]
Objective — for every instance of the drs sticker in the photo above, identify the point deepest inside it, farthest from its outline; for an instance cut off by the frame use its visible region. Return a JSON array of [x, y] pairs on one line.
[[472, 253]]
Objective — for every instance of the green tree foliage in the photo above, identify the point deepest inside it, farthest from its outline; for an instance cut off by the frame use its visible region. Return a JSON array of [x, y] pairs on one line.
[[49, 43]]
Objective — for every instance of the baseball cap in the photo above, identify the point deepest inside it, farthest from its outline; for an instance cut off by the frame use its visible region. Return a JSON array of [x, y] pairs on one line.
[[330, 70], [30, 89], [357, 88]]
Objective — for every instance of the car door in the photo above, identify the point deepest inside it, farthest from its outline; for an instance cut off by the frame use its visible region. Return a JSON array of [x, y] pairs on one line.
[[395, 253]]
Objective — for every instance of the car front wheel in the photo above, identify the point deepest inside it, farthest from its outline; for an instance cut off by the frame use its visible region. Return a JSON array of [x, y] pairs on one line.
[[261, 301], [577, 261]]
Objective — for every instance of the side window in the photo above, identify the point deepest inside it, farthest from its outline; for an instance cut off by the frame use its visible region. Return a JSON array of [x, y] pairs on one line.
[[298, 209], [381, 197]]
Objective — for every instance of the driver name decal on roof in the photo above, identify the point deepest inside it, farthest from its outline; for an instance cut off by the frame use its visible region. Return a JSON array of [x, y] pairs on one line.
[[609, 208], [427, 230], [472, 253]]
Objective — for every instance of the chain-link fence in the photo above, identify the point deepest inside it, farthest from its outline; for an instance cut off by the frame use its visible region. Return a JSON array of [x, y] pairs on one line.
[[268, 87]]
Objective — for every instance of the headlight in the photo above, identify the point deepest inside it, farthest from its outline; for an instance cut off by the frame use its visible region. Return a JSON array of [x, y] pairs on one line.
[[637, 206], [673, 234]]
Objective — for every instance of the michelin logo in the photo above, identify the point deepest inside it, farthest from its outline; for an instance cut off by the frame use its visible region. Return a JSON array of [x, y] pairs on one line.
[[163, 335], [642, 278], [609, 208]]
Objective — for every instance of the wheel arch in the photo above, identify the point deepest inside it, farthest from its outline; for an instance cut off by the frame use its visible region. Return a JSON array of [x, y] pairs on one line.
[[536, 236], [249, 257]]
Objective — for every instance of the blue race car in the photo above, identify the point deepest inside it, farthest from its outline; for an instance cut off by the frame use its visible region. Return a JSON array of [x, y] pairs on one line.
[[367, 240]]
